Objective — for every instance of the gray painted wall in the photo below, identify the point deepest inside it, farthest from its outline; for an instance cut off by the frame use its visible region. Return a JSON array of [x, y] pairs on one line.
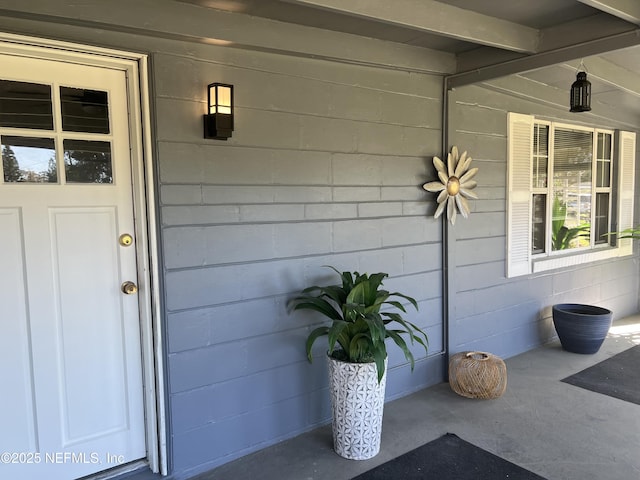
[[491, 312], [324, 167]]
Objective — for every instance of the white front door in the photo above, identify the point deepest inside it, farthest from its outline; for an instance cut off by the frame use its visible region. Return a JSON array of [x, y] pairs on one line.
[[71, 401]]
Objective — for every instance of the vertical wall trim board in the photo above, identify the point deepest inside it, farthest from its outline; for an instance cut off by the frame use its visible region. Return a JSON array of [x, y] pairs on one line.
[[155, 234], [448, 246]]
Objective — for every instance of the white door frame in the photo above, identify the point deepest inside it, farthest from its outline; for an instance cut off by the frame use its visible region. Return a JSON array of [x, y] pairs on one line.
[[135, 66]]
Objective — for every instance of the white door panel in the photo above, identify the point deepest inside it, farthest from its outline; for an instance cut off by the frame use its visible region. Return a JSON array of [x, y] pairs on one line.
[[72, 337], [16, 414], [93, 383]]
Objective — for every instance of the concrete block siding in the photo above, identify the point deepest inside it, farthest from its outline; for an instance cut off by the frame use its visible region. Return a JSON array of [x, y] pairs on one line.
[[325, 166], [509, 316], [332, 179]]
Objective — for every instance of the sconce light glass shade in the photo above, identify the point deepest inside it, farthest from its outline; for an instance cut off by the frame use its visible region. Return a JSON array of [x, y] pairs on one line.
[[218, 122], [581, 94]]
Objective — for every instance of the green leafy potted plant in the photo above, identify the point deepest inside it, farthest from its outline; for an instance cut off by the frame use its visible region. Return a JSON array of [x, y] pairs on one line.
[[357, 353]]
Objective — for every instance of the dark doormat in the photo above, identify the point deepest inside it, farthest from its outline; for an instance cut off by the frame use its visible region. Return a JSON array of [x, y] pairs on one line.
[[618, 376], [448, 458]]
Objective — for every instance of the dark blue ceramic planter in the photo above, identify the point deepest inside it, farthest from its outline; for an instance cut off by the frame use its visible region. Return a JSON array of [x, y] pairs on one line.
[[581, 328]]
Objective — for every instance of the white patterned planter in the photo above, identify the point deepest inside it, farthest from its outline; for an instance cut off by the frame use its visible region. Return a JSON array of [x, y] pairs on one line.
[[357, 403]]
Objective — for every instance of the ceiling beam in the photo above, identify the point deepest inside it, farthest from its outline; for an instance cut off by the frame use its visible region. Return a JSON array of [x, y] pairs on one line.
[[437, 18], [566, 34], [543, 59], [188, 22], [628, 10]]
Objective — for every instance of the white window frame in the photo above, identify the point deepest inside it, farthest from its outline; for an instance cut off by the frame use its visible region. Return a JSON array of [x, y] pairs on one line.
[[548, 190], [520, 260]]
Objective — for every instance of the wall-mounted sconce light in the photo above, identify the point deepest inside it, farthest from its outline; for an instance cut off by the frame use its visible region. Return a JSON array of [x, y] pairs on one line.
[[218, 122], [581, 92]]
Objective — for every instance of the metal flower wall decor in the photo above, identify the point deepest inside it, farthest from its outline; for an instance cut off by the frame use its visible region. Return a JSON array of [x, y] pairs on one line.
[[455, 185]]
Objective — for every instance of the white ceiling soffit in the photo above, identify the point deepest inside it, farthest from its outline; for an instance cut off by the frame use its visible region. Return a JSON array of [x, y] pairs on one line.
[[605, 70], [540, 93]]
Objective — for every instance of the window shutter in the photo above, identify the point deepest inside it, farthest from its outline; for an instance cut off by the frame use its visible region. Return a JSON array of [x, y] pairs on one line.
[[520, 154], [626, 156]]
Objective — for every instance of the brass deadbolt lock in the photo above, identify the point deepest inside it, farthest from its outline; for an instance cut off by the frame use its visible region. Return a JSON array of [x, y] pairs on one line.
[[129, 288], [126, 239]]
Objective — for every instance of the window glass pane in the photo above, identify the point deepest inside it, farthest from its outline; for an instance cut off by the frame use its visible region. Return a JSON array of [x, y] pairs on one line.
[[87, 161], [540, 167], [25, 105], [603, 173], [573, 154], [603, 164], [602, 218], [541, 139], [84, 110], [539, 221], [604, 146], [540, 155], [30, 160]]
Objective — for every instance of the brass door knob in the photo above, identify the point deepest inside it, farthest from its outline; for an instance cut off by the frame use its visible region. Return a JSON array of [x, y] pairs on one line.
[[129, 288], [125, 240]]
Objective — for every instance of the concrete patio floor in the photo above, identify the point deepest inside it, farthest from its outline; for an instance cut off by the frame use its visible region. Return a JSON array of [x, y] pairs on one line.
[[554, 429]]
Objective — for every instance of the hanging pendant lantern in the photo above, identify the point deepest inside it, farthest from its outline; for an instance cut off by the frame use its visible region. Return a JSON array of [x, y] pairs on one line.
[[581, 94]]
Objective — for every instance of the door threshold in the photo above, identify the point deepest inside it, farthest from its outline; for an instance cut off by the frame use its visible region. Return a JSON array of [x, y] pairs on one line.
[[138, 470]]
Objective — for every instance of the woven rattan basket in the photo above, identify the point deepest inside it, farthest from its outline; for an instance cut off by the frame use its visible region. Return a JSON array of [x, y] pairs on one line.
[[477, 375]]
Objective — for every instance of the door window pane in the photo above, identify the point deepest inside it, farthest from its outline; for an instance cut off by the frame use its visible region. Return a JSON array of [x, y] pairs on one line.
[[30, 160], [26, 159], [25, 105], [84, 110], [87, 161]]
